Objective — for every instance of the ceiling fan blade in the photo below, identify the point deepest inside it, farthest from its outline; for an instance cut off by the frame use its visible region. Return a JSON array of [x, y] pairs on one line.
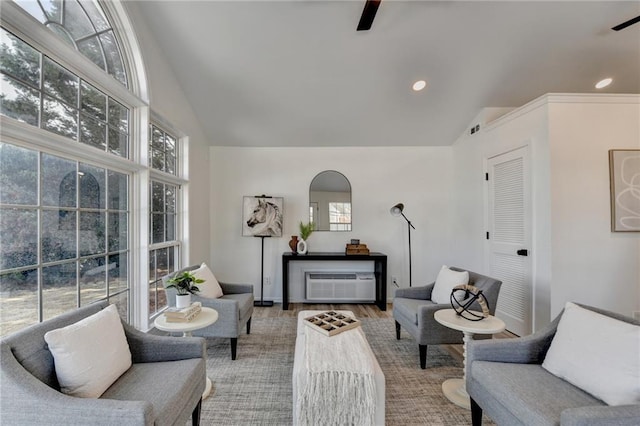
[[626, 24], [368, 13]]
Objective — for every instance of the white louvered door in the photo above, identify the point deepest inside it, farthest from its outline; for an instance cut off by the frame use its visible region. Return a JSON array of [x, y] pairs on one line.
[[509, 237]]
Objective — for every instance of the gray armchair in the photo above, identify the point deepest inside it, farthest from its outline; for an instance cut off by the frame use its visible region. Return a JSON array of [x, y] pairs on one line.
[[234, 309], [505, 378], [163, 386], [413, 310]]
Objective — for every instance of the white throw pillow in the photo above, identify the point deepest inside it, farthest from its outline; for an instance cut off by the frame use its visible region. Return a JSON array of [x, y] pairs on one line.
[[445, 282], [210, 288], [598, 354], [91, 354]]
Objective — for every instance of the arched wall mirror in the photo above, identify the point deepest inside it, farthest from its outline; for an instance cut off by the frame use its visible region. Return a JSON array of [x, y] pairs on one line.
[[330, 202]]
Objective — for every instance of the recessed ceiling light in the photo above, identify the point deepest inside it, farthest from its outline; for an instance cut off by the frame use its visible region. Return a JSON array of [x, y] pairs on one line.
[[603, 83], [419, 85]]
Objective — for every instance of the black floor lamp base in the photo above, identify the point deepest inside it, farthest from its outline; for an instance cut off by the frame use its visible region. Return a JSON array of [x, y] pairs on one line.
[[264, 303]]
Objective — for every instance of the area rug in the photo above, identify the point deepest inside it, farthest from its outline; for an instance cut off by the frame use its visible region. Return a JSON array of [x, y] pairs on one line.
[[255, 389]]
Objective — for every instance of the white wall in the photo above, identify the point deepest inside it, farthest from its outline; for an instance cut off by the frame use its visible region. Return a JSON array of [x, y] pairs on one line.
[[575, 255], [379, 177], [520, 127], [591, 264], [168, 100]]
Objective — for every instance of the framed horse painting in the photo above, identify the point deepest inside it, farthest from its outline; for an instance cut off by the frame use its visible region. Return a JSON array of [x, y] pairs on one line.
[[262, 216]]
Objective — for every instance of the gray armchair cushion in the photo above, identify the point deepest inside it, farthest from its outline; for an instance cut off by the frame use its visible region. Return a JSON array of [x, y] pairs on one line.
[[506, 379], [517, 385], [30, 393], [162, 384]]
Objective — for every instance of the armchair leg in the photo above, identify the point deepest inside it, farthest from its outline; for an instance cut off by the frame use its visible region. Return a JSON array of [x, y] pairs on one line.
[[195, 416], [476, 413], [249, 326], [234, 345], [397, 330], [423, 356]]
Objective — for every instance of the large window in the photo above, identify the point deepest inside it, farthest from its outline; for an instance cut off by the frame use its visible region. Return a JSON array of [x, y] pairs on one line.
[[164, 239], [64, 230], [164, 245], [70, 155]]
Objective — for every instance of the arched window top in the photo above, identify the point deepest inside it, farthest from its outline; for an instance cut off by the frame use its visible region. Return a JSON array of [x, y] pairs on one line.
[[84, 25]]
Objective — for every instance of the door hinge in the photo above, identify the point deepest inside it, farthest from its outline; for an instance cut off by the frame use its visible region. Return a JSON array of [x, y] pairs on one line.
[[487, 235], [486, 176], [522, 252]]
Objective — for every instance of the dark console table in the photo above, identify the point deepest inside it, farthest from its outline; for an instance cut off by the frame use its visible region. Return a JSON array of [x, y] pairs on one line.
[[380, 271]]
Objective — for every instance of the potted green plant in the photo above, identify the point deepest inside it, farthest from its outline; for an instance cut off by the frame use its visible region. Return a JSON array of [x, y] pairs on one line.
[[305, 232], [185, 285]]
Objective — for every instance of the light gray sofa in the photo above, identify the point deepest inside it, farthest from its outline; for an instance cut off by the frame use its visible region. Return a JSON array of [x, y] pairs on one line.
[[505, 378], [234, 309], [413, 310], [163, 386]]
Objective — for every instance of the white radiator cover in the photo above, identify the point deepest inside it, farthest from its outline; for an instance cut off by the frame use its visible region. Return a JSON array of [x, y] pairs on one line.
[[340, 287]]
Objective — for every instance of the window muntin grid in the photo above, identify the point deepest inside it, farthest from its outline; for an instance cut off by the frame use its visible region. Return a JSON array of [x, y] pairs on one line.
[[339, 216], [38, 91], [83, 25], [64, 236], [163, 150], [163, 240]]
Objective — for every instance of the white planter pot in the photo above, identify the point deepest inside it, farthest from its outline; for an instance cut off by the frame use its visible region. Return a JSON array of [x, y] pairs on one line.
[[183, 301]]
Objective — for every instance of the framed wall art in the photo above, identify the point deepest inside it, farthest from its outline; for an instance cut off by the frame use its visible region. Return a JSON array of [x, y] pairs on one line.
[[624, 175], [262, 216]]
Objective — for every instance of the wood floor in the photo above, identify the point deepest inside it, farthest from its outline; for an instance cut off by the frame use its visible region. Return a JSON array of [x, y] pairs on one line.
[[359, 310]]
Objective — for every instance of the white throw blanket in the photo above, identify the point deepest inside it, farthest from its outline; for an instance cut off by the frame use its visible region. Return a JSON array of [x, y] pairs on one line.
[[338, 386]]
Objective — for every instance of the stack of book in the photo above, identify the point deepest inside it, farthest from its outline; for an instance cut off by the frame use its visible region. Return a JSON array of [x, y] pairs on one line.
[[183, 314]]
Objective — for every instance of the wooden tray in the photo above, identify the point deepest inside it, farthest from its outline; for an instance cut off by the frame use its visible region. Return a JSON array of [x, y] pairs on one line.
[[331, 323]]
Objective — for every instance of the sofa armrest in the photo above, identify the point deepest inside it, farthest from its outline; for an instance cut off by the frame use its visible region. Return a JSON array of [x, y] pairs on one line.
[[621, 415], [523, 350], [147, 347], [426, 314], [228, 288], [26, 400], [421, 292], [226, 308], [431, 330]]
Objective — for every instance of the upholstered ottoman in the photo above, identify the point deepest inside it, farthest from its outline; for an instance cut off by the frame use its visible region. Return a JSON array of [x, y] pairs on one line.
[[337, 379]]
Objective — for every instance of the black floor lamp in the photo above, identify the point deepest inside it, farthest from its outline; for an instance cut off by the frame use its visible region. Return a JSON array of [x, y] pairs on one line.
[[397, 211], [262, 302]]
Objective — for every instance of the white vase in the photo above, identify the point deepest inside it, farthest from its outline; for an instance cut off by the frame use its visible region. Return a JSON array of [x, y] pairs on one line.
[[302, 246], [183, 301]]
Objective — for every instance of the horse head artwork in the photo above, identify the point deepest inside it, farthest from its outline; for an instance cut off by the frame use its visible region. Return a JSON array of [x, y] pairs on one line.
[[265, 219]]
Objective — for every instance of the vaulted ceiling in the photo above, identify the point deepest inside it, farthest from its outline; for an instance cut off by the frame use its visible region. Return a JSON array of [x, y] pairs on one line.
[[297, 73]]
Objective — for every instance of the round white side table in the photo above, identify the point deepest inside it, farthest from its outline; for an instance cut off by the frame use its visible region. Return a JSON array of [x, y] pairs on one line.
[[455, 389], [204, 319]]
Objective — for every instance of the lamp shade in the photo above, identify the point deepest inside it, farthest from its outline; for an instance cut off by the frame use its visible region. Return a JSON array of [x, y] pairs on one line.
[[397, 209]]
